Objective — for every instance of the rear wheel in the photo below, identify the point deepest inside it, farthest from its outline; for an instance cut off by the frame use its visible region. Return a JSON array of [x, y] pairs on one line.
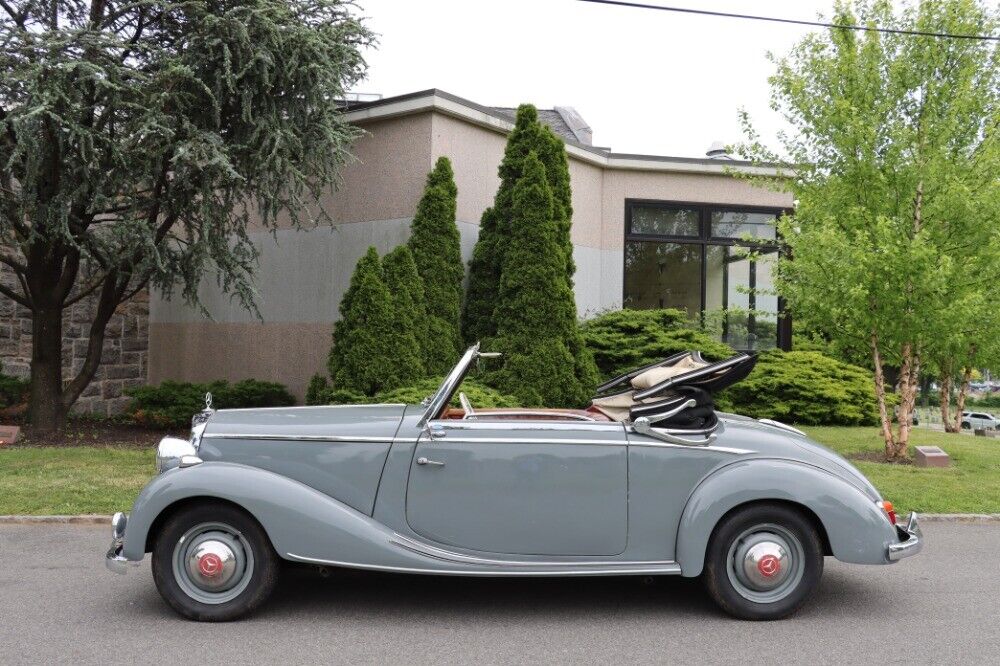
[[213, 562], [763, 562]]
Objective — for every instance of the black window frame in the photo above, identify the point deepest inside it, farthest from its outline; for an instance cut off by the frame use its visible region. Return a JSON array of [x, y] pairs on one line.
[[705, 239]]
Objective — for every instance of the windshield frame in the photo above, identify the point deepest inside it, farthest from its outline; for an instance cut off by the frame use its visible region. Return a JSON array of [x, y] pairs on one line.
[[449, 386]]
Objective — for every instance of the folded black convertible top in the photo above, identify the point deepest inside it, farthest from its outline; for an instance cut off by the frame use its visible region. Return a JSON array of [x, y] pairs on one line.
[[682, 400]]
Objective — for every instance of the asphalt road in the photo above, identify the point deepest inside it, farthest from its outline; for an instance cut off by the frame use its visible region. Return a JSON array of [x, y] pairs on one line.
[[58, 604]]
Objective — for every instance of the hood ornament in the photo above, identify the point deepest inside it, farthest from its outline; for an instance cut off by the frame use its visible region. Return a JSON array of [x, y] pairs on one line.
[[208, 401]]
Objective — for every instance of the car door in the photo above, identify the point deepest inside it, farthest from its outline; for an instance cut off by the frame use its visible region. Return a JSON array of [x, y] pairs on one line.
[[521, 487]]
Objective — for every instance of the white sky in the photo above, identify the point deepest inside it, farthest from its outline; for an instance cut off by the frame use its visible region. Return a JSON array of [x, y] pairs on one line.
[[646, 81]]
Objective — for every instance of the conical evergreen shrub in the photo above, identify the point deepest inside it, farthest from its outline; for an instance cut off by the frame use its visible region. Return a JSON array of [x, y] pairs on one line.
[[528, 135], [535, 308], [369, 353], [409, 309], [435, 243]]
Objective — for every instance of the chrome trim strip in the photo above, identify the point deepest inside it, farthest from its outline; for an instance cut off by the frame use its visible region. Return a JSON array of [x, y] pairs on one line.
[[451, 556], [257, 409], [300, 438], [782, 426], [627, 568], [346, 439], [482, 422], [686, 447], [529, 440]]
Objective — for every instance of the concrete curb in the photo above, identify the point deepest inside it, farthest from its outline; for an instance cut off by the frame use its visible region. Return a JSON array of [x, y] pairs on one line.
[[99, 519], [959, 517], [83, 519]]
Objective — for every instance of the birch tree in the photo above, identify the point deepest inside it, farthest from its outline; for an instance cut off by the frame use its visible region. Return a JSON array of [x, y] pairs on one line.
[[893, 160]]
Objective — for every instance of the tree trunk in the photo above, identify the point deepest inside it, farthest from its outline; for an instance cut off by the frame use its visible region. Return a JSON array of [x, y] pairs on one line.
[[45, 408], [883, 411], [945, 399], [907, 394], [963, 392]]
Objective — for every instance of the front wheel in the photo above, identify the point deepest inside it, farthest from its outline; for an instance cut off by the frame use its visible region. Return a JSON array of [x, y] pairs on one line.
[[763, 562], [213, 562]]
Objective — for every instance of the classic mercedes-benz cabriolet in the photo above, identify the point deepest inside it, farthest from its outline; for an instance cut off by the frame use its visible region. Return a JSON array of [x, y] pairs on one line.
[[649, 480]]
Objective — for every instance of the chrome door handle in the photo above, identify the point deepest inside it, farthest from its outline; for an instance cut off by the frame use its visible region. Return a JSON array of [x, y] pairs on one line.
[[425, 461]]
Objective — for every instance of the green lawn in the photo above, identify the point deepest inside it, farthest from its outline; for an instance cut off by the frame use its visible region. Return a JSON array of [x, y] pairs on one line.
[[72, 480], [75, 480], [970, 485]]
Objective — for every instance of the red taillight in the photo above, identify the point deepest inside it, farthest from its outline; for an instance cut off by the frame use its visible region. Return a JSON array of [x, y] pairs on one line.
[[887, 507]]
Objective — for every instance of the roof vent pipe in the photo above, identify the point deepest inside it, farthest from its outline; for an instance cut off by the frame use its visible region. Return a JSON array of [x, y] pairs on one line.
[[717, 151]]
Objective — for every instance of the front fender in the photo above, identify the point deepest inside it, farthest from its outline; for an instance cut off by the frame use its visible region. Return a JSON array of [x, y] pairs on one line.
[[857, 529], [298, 519]]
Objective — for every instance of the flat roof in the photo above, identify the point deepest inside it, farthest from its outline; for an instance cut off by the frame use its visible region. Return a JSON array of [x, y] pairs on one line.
[[444, 102]]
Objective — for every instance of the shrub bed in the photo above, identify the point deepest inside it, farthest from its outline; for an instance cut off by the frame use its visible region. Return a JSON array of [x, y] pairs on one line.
[[625, 339], [13, 391], [804, 387], [171, 404]]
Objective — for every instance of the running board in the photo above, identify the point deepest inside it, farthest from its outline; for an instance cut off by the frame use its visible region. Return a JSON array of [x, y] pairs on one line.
[[537, 567]]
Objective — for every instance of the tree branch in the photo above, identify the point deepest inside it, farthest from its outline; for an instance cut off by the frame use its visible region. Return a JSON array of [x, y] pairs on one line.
[[18, 17], [14, 296], [11, 261], [95, 344]]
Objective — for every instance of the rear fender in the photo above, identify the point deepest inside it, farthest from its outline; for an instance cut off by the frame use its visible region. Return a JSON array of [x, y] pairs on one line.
[[857, 529], [298, 519]]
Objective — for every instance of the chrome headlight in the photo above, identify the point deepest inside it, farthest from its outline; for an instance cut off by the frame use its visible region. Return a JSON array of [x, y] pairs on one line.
[[171, 453]]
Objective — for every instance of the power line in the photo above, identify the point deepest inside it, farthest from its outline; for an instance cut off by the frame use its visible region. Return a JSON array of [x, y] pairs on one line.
[[751, 17]]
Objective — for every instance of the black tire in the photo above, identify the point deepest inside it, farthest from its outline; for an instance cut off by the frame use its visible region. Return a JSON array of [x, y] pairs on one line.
[[766, 523], [257, 580], [966, 425]]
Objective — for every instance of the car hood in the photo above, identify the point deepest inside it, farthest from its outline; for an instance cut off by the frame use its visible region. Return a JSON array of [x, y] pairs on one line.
[[360, 421], [772, 441]]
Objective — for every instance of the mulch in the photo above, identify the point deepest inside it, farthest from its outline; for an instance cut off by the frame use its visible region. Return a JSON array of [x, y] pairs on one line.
[[874, 456], [94, 432]]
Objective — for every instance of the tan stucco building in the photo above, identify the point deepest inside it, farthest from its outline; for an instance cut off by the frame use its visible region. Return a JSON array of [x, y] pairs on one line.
[[648, 231]]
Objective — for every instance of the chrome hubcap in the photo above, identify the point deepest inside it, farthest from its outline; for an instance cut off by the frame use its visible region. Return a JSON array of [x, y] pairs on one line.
[[765, 563], [213, 563]]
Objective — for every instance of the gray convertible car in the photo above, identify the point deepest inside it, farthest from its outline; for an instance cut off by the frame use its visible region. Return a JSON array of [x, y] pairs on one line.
[[649, 480]]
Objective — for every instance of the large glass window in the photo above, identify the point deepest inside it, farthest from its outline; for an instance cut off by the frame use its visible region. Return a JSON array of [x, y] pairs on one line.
[[715, 263], [663, 275]]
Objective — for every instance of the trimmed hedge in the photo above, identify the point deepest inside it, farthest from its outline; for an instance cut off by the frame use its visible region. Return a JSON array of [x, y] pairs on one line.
[[437, 252], [625, 339], [806, 388], [544, 362], [172, 404]]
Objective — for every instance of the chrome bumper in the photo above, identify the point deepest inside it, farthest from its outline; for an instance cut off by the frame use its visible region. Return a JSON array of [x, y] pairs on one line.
[[114, 560], [911, 540]]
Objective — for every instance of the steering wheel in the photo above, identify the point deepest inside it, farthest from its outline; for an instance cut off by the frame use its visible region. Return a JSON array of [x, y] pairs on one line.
[[466, 406]]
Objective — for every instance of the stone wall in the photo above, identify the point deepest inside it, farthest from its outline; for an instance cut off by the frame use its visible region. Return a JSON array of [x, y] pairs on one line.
[[124, 361]]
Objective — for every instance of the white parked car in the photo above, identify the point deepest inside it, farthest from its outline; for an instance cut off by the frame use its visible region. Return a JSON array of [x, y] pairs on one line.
[[979, 421]]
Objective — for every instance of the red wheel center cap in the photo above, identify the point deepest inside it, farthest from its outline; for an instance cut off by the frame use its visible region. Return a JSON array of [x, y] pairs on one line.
[[210, 564], [769, 566]]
